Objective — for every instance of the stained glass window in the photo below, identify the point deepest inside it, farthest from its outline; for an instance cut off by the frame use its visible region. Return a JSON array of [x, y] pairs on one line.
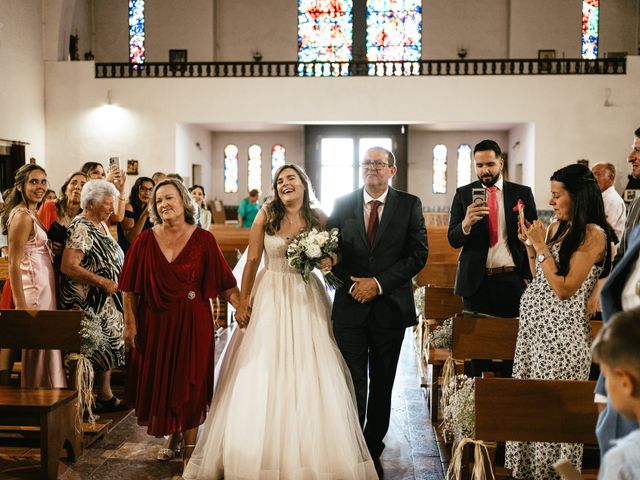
[[590, 30], [230, 169], [278, 154], [325, 34], [255, 168], [464, 165], [394, 32], [136, 32], [440, 169]]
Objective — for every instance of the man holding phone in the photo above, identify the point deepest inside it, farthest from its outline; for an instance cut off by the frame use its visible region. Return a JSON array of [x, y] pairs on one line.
[[485, 214]]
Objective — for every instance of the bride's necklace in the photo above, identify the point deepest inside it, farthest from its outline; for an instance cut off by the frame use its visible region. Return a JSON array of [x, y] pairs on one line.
[[292, 232]]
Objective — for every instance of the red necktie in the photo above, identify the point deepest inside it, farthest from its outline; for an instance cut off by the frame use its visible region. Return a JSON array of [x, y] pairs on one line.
[[492, 203], [372, 226]]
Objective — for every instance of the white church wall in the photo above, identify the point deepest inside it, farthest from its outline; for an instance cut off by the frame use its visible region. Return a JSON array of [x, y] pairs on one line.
[[22, 92]]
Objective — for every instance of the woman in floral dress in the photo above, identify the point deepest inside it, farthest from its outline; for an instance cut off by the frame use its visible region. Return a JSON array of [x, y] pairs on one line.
[[554, 337]]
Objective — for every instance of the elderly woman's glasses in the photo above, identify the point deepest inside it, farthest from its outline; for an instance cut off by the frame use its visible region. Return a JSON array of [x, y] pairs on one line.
[[368, 165]]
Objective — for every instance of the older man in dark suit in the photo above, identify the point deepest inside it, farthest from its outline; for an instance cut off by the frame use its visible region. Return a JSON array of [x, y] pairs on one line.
[[383, 245]]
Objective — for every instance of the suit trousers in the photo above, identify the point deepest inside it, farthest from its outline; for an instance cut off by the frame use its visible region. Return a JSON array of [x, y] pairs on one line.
[[498, 295], [371, 353]]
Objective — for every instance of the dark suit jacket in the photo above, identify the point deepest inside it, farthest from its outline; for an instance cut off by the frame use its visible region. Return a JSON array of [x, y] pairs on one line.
[[399, 252], [473, 256], [633, 216], [611, 424]]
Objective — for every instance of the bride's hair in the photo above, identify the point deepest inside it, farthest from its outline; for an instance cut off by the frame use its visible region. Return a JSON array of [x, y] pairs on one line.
[[275, 208]]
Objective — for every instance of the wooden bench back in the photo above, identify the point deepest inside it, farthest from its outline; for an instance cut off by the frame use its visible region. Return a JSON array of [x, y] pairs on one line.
[[480, 338], [489, 338], [508, 409], [47, 329], [440, 303], [4, 268], [442, 263]]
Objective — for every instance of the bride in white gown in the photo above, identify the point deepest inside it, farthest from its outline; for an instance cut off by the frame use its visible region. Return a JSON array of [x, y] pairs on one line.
[[284, 405]]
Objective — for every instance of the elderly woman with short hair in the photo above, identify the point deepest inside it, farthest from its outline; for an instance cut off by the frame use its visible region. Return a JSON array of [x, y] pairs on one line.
[[91, 263]]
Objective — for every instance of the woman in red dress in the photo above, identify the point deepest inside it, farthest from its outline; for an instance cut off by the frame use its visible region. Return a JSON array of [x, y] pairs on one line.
[[168, 277]]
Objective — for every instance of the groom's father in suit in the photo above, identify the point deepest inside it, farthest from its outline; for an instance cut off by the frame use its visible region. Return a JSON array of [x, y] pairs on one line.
[[383, 245], [493, 263]]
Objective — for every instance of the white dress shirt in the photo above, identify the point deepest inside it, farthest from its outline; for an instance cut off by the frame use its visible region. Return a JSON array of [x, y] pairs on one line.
[[615, 210], [367, 211], [499, 255]]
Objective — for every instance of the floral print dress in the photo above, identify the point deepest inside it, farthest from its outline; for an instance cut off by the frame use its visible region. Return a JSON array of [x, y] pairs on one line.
[[554, 343]]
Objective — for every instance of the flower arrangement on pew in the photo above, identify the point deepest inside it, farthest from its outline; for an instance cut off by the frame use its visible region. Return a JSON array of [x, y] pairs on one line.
[[418, 299], [92, 341], [459, 426], [308, 248], [459, 413], [442, 335]]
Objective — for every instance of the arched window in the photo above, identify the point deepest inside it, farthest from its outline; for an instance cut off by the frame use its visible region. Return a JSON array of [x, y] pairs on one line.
[[439, 169], [325, 34], [136, 32], [278, 158], [590, 28], [255, 168], [464, 165], [230, 169], [394, 32]]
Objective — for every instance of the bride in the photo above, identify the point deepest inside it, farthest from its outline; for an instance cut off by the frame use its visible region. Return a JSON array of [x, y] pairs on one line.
[[284, 405]]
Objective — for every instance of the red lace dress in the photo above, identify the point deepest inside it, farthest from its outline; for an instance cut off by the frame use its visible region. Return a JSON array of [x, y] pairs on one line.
[[170, 376]]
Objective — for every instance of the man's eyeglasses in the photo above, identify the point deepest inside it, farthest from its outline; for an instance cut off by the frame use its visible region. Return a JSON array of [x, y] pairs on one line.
[[373, 165]]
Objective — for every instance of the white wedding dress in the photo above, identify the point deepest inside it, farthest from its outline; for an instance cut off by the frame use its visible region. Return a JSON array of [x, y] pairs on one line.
[[283, 406]]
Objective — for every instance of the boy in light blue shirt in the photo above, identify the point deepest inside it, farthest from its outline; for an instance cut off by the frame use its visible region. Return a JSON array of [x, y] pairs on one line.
[[617, 349]]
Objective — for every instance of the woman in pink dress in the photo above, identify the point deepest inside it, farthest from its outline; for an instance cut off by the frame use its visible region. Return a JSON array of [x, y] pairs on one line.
[[31, 269]]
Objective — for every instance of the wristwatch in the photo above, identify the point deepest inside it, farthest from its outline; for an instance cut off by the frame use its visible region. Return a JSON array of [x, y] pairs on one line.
[[543, 256]]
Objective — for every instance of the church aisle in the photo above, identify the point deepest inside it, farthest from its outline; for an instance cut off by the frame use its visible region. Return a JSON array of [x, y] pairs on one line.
[[129, 453]]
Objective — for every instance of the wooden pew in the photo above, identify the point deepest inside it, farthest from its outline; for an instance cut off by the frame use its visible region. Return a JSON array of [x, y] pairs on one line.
[[489, 338], [557, 411], [53, 411], [231, 240]]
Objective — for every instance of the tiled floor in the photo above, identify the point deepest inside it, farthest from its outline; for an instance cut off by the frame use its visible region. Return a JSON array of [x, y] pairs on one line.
[[128, 453]]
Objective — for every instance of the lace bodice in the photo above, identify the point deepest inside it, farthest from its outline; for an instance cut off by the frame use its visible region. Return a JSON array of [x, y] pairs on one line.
[[275, 248]]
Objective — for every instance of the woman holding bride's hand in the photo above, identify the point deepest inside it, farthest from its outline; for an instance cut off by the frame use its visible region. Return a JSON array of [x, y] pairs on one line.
[[284, 405]]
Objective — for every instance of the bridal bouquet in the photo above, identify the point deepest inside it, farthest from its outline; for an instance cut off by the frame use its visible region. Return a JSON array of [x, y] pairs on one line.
[[307, 249]]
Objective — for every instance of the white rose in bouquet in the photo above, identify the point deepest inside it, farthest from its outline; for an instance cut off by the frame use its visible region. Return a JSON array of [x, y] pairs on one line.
[[313, 251]]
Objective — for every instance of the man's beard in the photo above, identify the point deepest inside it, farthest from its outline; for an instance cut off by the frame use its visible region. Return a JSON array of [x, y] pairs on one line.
[[489, 181]]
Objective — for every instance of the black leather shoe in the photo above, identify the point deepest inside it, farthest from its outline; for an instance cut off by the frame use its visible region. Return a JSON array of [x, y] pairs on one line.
[[378, 465]]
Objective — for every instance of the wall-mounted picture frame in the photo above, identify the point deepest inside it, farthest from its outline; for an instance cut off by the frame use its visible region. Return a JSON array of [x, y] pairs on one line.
[[178, 59], [132, 167], [546, 54]]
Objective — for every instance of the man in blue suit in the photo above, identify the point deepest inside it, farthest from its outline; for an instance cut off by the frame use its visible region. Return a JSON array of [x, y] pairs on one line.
[[620, 292]]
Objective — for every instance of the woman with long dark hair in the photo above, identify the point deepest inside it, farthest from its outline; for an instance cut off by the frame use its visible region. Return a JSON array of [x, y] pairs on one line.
[[31, 269], [136, 213], [554, 337], [285, 369]]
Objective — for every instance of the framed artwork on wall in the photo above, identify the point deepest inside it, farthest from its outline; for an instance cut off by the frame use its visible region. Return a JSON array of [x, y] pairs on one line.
[[132, 167]]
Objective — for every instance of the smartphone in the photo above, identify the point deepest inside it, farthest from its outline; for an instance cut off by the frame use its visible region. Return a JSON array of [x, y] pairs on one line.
[[114, 162], [478, 196]]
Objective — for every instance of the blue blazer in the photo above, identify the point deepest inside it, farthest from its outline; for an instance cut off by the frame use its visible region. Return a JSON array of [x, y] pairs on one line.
[[612, 425]]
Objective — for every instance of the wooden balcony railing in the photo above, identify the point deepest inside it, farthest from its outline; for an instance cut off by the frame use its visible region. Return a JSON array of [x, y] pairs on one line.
[[564, 66]]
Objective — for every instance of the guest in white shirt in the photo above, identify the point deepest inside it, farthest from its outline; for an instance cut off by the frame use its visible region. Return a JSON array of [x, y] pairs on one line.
[[614, 207]]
